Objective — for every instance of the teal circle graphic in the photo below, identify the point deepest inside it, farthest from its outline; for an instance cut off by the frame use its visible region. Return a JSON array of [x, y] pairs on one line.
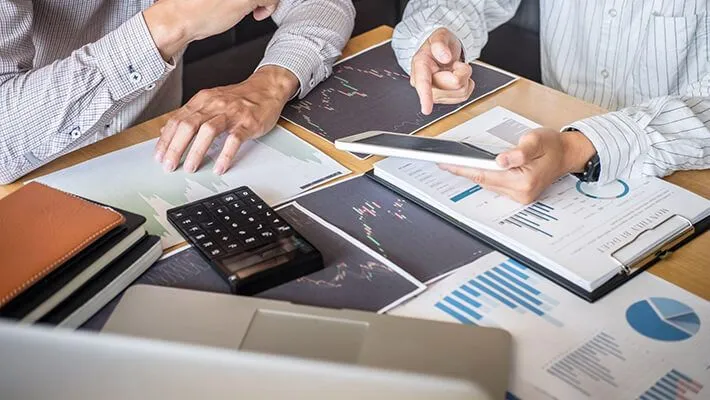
[[613, 190]]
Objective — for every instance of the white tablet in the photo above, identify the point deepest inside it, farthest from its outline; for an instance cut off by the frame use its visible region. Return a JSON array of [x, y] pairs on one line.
[[419, 148]]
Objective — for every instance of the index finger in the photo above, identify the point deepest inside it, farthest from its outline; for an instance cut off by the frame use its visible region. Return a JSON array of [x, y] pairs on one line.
[[422, 76], [502, 179]]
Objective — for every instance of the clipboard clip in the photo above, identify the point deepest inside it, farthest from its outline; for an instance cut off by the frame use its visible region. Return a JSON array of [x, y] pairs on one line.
[[677, 229]]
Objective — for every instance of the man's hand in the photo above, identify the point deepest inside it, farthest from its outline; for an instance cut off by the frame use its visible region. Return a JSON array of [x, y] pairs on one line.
[[243, 111], [437, 72], [173, 24], [542, 156]]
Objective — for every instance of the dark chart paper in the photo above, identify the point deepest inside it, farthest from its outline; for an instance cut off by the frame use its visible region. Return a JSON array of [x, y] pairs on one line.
[[411, 237], [352, 278], [371, 92]]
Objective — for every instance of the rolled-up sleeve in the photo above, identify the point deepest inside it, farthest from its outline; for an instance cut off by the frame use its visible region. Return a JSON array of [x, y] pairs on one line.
[[310, 38]]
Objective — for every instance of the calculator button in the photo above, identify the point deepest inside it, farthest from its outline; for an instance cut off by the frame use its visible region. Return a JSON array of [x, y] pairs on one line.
[[193, 230], [225, 238], [220, 210], [178, 215], [244, 212], [276, 221], [266, 234], [199, 213], [211, 204], [215, 252], [235, 205], [187, 222], [252, 200], [251, 219], [232, 246], [268, 213], [200, 237], [229, 198], [283, 229], [209, 225], [234, 225], [242, 233], [227, 218], [218, 230], [244, 193], [260, 206], [207, 245], [249, 241], [259, 227]]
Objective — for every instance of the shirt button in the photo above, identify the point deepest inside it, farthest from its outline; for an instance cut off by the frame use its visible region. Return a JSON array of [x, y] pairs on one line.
[[75, 133], [612, 12], [312, 82], [136, 77], [150, 87], [605, 74]]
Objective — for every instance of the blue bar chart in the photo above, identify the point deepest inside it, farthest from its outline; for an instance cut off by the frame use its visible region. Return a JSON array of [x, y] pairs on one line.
[[534, 217], [466, 193], [508, 284], [587, 363], [673, 386]]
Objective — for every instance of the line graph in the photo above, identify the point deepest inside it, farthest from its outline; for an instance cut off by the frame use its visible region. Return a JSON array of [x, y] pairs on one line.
[[408, 235], [352, 278], [371, 92]]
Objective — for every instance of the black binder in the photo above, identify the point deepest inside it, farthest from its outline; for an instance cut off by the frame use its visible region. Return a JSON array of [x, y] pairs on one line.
[[626, 273]]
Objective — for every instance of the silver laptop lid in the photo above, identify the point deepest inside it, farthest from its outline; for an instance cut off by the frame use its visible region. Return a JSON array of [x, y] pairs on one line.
[[39, 363], [478, 355]]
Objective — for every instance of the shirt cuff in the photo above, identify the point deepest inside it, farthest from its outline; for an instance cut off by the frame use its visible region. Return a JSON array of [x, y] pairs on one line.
[[618, 139], [129, 59], [302, 62]]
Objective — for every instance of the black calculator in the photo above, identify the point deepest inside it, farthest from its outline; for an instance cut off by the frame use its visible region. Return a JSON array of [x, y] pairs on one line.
[[245, 240]]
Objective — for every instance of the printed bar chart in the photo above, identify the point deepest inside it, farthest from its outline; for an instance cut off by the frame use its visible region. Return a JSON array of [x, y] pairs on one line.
[[466, 193], [534, 217], [509, 285], [674, 385]]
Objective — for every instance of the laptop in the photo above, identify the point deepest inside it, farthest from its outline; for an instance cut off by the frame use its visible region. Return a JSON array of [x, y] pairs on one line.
[[170, 343]]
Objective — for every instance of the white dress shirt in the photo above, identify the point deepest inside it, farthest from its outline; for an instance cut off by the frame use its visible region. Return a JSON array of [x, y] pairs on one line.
[[75, 72], [648, 61]]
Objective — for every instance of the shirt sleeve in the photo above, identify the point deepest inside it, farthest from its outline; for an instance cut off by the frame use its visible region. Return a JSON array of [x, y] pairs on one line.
[[50, 110], [656, 138], [469, 20], [310, 38]]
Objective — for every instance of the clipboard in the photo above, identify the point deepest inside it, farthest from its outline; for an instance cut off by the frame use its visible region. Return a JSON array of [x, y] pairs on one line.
[[633, 257]]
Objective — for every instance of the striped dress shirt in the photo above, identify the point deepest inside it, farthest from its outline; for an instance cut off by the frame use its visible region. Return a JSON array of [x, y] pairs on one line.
[[75, 72], [647, 61]]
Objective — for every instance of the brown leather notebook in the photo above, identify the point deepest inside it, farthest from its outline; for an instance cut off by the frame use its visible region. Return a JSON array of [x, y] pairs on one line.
[[40, 229]]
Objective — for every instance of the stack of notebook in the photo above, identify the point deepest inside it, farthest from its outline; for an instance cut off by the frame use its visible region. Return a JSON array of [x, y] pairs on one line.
[[63, 257]]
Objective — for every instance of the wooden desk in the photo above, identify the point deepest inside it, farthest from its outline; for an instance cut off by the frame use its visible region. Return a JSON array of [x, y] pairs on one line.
[[688, 268]]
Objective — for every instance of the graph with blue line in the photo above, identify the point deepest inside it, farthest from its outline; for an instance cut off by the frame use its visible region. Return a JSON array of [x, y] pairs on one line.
[[510, 285], [534, 217], [674, 385]]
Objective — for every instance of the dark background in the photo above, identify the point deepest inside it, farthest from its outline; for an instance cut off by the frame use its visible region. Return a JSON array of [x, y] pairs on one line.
[[232, 56]]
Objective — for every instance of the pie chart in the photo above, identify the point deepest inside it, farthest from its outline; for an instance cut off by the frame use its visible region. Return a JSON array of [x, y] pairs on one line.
[[663, 319], [612, 190]]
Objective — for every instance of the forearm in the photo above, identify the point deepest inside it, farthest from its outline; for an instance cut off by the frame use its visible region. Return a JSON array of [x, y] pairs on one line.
[[310, 38], [656, 138], [48, 111], [469, 20]]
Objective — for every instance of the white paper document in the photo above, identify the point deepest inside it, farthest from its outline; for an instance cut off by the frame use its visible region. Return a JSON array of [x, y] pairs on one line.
[[277, 166], [574, 229], [649, 339]]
